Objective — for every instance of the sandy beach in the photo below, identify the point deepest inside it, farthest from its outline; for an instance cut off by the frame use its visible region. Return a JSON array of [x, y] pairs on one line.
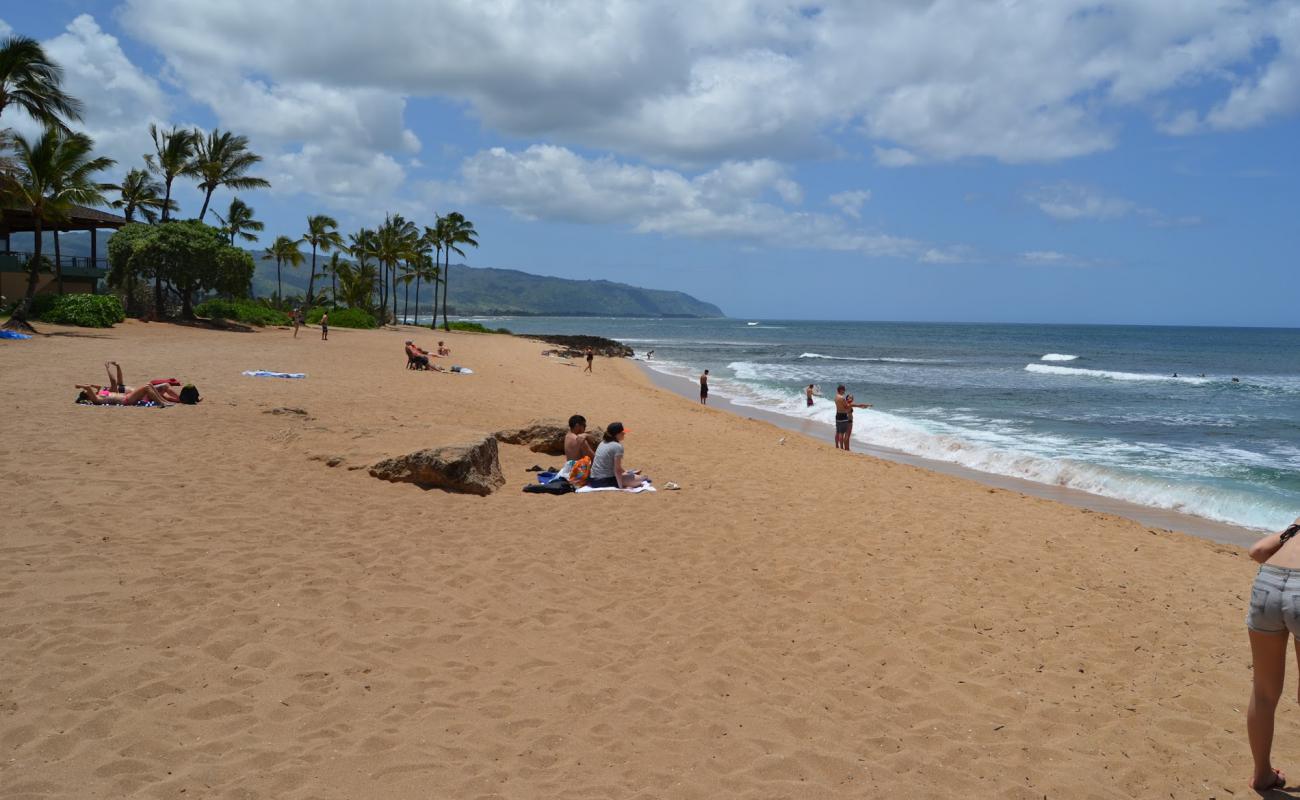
[[195, 604]]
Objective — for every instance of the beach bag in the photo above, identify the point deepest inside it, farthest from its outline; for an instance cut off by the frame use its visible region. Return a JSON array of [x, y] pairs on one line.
[[580, 472], [554, 487]]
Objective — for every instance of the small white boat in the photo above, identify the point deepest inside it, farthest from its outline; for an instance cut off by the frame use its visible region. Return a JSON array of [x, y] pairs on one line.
[[751, 323]]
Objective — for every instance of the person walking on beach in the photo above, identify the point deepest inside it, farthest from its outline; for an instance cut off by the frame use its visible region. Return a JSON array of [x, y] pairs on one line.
[[325, 327], [704, 388], [590, 356], [295, 317], [1274, 611]]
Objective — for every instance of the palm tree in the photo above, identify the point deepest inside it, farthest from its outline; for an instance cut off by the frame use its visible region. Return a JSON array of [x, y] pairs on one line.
[[238, 220], [322, 233], [425, 269], [31, 81], [394, 241], [333, 269], [54, 174], [362, 247], [223, 159], [285, 251], [356, 284], [457, 231], [433, 238], [139, 192], [172, 157]]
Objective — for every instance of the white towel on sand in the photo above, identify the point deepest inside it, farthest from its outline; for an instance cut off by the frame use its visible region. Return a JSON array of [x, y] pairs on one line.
[[645, 487]]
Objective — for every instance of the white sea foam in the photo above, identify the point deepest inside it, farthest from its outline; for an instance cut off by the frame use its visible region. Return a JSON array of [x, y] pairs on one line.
[[1059, 357], [876, 359], [1047, 369], [1136, 473]]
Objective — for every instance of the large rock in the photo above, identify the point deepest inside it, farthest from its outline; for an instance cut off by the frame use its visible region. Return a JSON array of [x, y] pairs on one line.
[[545, 437], [465, 468], [575, 346]]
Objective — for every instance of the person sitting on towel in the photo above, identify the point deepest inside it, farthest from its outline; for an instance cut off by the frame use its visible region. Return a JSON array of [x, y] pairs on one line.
[[575, 441], [607, 469]]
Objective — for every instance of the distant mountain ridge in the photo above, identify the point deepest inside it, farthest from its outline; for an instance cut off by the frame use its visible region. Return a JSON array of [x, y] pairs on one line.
[[489, 291], [478, 291]]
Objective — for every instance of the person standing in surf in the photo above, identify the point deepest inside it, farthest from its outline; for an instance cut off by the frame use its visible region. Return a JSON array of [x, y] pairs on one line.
[[704, 388], [809, 392], [844, 406], [850, 404]]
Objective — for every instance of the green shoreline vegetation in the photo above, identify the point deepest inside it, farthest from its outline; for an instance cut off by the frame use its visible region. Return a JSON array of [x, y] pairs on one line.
[[163, 267]]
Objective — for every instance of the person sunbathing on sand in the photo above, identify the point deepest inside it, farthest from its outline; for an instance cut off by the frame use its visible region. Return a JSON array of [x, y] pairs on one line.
[[1274, 611], [576, 445], [117, 384], [100, 396], [607, 466]]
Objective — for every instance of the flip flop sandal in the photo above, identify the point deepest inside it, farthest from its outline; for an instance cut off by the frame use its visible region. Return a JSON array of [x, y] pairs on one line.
[[1279, 782], [533, 468]]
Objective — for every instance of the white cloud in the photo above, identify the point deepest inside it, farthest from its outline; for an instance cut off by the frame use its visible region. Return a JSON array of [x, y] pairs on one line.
[[850, 203], [119, 100], [685, 83], [1070, 202], [737, 200], [1055, 258]]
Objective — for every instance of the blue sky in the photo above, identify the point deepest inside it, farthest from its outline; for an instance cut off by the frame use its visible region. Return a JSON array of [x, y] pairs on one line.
[[1125, 162]]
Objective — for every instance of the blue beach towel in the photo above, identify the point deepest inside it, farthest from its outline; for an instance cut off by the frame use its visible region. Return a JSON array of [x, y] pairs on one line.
[[13, 335], [262, 373]]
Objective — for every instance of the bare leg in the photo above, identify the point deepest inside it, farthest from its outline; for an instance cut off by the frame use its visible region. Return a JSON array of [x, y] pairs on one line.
[[115, 381], [1268, 651], [146, 392]]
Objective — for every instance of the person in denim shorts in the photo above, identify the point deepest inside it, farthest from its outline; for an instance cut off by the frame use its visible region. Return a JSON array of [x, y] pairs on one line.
[[1274, 612]]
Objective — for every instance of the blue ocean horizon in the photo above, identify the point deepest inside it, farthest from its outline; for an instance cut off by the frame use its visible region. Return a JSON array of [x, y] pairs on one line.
[[1195, 420]]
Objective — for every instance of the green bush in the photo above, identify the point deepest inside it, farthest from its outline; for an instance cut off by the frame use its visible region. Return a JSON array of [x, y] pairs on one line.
[[343, 317], [474, 327], [247, 311], [85, 310]]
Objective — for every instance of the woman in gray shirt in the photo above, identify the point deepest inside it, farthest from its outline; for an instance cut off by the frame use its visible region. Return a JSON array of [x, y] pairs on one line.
[[607, 467]]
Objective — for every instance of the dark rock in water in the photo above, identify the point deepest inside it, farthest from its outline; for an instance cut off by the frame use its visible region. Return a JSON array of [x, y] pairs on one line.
[[574, 346], [545, 437], [466, 468]]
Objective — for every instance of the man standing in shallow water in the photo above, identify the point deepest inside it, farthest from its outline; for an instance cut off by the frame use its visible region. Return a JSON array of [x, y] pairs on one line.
[[704, 388]]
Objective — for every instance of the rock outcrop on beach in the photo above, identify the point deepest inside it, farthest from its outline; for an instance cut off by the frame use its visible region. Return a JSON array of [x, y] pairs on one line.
[[544, 437], [463, 468], [574, 346]]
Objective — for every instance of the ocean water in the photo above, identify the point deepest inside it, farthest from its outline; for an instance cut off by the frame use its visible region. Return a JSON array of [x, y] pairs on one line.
[[1093, 408]]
